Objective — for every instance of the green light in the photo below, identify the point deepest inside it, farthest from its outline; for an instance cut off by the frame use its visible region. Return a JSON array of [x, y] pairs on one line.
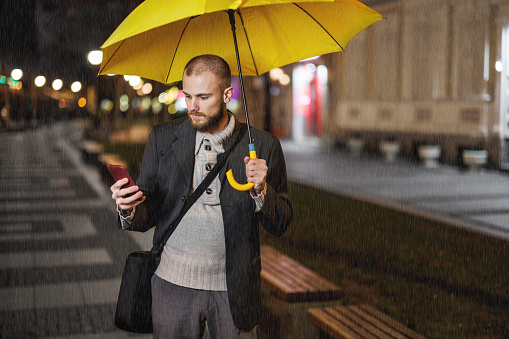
[[3, 79]]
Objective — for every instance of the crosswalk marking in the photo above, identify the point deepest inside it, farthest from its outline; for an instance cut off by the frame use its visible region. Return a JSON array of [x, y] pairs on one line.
[[74, 226], [59, 295], [43, 259]]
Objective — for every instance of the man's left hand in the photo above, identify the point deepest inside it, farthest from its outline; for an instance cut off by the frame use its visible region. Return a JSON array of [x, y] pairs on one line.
[[256, 171]]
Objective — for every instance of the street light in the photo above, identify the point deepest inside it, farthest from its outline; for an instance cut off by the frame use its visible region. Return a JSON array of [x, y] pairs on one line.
[[40, 81], [57, 84], [16, 74], [95, 57], [76, 86]]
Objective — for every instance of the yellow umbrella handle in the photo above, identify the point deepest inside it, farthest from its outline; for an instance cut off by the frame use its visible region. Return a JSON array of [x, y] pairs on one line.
[[231, 179]]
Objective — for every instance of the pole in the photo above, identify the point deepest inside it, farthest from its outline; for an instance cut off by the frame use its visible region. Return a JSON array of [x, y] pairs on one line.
[[232, 23]]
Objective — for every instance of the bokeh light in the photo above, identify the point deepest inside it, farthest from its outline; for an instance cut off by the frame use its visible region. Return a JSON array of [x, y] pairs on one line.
[[107, 105], [40, 81], [76, 86], [146, 88], [16, 74], [95, 57], [82, 102], [57, 84]]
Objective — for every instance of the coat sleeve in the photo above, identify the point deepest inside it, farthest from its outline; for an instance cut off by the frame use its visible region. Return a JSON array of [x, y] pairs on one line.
[[276, 213], [146, 213]]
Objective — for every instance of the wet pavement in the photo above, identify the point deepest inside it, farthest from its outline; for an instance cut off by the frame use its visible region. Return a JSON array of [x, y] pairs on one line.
[[476, 200], [61, 254]]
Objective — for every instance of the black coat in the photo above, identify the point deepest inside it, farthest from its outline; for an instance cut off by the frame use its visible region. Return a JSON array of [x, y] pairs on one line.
[[166, 179]]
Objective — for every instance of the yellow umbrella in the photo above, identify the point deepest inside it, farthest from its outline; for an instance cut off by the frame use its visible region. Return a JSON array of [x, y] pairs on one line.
[[159, 37]]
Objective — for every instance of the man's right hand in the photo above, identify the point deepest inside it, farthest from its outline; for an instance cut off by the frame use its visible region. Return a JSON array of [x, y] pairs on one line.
[[122, 196]]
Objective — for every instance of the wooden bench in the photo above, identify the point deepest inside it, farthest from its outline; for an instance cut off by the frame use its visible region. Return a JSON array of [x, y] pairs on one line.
[[361, 321], [289, 289]]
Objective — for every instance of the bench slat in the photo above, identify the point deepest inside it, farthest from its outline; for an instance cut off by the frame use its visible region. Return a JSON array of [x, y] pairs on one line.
[[292, 281], [362, 321], [393, 323], [325, 321], [301, 276], [284, 264], [365, 330]]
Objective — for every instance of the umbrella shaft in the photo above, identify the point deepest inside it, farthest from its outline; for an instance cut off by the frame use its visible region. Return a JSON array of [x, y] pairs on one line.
[[232, 23]]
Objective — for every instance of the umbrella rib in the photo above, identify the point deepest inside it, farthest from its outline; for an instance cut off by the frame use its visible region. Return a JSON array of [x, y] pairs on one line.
[[111, 57], [248, 43], [312, 17], [177, 47]]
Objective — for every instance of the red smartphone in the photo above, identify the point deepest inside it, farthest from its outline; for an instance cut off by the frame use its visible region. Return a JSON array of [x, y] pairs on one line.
[[119, 172]]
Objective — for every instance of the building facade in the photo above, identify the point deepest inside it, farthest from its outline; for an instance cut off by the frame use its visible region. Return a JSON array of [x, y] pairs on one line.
[[435, 71]]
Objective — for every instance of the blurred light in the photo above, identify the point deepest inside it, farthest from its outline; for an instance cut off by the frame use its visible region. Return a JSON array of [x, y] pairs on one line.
[[63, 103], [124, 102], [135, 103], [57, 84], [3, 112], [10, 81], [172, 109], [275, 74], [309, 59], [76, 86], [82, 102], [127, 77], [157, 105], [16, 74], [274, 90], [139, 92], [233, 105], [284, 80], [499, 66], [40, 81], [3, 79], [18, 85], [124, 99], [134, 80], [138, 86], [163, 97], [180, 104], [110, 75], [305, 100], [147, 88], [106, 105], [173, 94], [95, 57], [145, 104], [311, 67]]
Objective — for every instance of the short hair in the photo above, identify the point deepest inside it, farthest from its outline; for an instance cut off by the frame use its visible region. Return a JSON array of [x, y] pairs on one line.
[[213, 63]]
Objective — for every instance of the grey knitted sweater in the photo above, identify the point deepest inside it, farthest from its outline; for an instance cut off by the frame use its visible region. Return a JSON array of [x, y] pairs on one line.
[[194, 256]]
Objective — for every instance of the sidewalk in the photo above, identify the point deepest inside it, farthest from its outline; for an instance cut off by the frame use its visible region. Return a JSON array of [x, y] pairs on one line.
[[61, 254], [475, 200]]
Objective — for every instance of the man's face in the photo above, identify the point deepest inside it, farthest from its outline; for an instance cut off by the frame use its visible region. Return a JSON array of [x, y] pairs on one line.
[[206, 101]]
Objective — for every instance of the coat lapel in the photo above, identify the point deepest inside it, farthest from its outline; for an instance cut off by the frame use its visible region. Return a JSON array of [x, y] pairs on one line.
[[184, 149]]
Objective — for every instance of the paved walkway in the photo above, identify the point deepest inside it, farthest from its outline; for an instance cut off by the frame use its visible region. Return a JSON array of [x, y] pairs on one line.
[[473, 200], [61, 255]]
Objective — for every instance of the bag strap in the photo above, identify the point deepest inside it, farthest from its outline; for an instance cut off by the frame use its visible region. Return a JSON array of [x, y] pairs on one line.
[[221, 161]]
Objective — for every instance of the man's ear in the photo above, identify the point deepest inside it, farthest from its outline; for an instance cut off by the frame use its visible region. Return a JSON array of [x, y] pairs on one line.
[[228, 94]]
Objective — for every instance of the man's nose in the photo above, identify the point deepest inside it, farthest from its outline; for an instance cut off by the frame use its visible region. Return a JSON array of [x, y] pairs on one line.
[[193, 105]]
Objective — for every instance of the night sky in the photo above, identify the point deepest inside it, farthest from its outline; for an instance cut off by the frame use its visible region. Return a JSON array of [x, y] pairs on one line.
[[53, 37]]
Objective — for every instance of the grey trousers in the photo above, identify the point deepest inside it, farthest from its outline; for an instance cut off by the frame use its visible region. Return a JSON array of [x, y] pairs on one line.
[[180, 312]]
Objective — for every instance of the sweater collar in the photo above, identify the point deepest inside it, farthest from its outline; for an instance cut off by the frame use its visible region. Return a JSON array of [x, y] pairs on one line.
[[216, 140]]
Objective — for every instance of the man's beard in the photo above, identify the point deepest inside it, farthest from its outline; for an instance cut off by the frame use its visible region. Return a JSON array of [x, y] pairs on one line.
[[211, 122]]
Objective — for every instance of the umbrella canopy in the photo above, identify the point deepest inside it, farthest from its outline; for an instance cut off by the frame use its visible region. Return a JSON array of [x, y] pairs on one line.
[[160, 36]]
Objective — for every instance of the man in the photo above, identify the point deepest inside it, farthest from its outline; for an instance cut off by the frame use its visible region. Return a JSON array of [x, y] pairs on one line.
[[210, 266]]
